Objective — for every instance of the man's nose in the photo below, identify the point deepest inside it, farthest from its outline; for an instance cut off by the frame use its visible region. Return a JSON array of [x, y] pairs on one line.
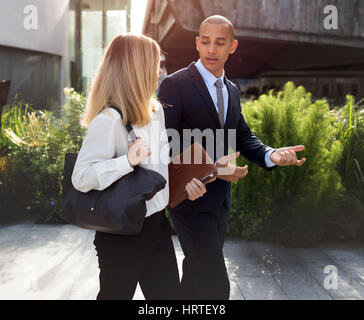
[[212, 48]]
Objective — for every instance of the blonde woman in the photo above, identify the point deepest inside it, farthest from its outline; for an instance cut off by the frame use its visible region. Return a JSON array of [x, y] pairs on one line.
[[127, 78]]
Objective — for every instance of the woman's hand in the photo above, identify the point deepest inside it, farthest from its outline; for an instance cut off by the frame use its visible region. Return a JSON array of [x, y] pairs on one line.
[[195, 189], [138, 151]]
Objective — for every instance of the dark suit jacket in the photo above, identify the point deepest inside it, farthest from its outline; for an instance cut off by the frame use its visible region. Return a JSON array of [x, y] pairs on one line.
[[188, 105]]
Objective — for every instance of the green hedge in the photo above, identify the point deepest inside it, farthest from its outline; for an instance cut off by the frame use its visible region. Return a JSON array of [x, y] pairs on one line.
[[301, 206], [32, 156]]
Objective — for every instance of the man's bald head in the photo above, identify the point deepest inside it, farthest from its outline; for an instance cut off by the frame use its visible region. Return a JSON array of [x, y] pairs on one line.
[[219, 20]]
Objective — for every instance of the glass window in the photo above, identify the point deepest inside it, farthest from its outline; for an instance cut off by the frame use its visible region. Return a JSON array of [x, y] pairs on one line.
[[340, 90], [102, 20], [116, 24], [91, 44], [34, 76], [325, 89], [354, 89]]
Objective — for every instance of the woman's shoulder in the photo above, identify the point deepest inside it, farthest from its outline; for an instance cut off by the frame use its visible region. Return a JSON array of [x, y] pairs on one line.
[[105, 118], [158, 109], [110, 113], [107, 114]]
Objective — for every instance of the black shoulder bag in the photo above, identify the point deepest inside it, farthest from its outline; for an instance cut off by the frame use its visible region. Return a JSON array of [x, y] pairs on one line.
[[118, 209]]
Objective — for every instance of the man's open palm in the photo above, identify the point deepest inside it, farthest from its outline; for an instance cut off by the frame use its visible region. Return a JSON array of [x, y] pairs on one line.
[[287, 156], [229, 172]]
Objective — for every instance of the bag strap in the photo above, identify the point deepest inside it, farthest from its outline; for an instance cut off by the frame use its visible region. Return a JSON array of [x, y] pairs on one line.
[[128, 125]]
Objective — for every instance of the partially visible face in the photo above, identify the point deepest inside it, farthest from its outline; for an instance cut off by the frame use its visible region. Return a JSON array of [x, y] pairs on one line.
[[214, 45], [159, 73]]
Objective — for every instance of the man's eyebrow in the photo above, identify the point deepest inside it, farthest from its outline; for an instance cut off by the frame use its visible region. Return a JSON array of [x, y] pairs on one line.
[[218, 38]]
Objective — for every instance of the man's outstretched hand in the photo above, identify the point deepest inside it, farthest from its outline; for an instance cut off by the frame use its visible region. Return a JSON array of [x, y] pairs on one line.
[[228, 172], [281, 157], [287, 156]]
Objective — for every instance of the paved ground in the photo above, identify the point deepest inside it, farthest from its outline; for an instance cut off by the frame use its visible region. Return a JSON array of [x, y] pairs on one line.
[[59, 262]]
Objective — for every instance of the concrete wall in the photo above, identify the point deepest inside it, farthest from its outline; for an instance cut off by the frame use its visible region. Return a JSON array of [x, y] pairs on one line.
[[285, 20], [51, 36], [303, 16]]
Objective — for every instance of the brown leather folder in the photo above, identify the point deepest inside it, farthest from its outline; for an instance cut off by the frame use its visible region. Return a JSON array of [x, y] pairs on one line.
[[194, 162]]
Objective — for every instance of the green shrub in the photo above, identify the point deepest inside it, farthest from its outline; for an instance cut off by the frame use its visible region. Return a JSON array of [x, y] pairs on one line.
[[348, 220], [350, 131], [288, 203], [299, 206], [31, 172]]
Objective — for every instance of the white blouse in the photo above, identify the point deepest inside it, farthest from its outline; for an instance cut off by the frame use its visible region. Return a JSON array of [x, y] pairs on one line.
[[103, 156]]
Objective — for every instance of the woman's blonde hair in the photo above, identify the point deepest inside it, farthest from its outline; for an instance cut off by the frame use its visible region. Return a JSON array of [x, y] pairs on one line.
[[127, 78]]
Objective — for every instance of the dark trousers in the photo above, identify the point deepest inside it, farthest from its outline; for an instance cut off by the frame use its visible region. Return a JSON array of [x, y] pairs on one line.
[[147, 258], [202, 236]]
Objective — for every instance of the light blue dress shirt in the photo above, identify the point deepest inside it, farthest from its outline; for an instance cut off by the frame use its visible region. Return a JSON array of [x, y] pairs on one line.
[[210, 80]]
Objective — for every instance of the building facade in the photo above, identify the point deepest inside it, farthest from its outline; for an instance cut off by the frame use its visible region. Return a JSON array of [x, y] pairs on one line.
[[48, 45], [34, 51], [316, 43]]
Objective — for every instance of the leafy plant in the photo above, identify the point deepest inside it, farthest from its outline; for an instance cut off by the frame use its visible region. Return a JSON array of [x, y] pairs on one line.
[[299, 206], [350, 131], [348, 222], [286, 204], [32, 169]]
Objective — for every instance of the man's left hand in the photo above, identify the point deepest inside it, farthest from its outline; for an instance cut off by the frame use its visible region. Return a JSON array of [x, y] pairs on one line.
[[287, 156]]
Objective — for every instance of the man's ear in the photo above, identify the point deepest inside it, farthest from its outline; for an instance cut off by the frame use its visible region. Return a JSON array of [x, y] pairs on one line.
[[235, 45], [197, 43]]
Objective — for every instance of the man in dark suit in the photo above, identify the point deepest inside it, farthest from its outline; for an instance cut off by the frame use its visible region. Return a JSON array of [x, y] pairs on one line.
[[201, 97]]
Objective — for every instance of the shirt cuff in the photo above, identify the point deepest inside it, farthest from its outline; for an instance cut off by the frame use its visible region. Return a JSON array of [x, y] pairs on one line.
[[268, 162], [124, 165]]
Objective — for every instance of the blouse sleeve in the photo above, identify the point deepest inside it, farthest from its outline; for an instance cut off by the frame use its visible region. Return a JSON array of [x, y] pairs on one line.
[[96, 168]]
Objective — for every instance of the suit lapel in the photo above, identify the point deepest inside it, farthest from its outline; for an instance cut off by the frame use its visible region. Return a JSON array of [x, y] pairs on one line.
[[201, 86]]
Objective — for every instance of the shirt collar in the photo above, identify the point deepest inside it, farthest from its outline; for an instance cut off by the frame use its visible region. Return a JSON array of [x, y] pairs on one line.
[[207, 75]]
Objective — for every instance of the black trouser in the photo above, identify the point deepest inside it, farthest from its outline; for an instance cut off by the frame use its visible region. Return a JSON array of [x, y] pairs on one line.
[[147, 258], [202, 236]]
